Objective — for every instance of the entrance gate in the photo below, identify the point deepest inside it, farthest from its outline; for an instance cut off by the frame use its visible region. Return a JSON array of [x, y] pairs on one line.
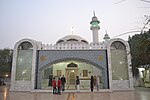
[[71, 76], [96, 58]]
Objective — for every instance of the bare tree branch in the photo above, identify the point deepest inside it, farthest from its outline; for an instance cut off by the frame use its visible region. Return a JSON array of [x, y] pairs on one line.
[[120, 1], [145, 1], [144, 7], [126, 33], [147, 19]]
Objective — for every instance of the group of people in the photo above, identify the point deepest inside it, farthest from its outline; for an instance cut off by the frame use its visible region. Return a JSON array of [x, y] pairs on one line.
[[95, 81], [58, 85]]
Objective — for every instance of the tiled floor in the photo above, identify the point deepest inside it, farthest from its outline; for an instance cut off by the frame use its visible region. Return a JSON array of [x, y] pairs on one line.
[[137, 94]]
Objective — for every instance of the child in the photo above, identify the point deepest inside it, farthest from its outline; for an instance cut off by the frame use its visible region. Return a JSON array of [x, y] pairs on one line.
[[59, 85], [54, 86]]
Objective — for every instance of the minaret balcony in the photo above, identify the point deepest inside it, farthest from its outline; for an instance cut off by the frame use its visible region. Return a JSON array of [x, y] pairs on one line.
[[95, 27]]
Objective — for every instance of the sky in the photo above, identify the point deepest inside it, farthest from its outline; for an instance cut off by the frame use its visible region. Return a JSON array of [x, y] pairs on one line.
[[49, 20]]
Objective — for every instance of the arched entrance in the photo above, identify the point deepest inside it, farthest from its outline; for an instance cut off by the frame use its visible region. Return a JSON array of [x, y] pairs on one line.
[[85, 66], [71, 76], [70, 69], [71, 73]]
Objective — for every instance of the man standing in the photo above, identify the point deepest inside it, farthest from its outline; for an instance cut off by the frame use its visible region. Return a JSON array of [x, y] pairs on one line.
[[92, 83], [97, 82], [59, 86], [63, 80], [77, 83]]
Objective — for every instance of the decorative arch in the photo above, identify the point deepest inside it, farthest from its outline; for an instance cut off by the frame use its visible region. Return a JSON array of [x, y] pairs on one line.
[[104, 77], [24, 51], [96, 58], [25, 46], [76, 59], [111, 41], [27, 42], [119, 61], [118, 52], [72, 39], [118, 45], [60, 41]]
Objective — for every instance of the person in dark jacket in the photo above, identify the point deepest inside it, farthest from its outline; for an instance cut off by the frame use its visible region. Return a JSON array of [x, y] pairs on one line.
[[63, 80], [77, 83], [92, 83]]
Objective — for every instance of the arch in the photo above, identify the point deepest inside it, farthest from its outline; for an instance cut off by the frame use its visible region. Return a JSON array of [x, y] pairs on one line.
[[60, 41], [72, 64], [66, 59], [111, 41], [127, 48], [24, 59], [118, 45], [83, 56], [120, 59], [104, 73], [25, 46], [113, 83], [72, 39], [31, 46], [84, 41], [33, 42]]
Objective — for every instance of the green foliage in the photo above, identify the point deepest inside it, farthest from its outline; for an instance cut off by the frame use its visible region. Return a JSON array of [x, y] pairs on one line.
[[140, 50], [5, 61]]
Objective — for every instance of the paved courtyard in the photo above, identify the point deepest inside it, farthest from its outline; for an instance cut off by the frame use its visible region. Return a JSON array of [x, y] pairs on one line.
[[138, 94]]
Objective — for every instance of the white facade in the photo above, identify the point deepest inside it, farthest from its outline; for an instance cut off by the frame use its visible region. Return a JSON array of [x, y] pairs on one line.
[[117, 57]]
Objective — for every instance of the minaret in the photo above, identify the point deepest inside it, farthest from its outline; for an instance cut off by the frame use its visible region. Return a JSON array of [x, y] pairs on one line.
[[95, 27], [106, 37]]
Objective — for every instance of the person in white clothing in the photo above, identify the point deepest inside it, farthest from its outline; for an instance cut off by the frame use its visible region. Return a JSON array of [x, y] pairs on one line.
[[77, 83], [97, 82]]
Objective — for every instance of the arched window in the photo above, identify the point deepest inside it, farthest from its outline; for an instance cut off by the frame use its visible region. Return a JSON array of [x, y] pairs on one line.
[[72, 65], [84, 41], [24, 61], [119, 61], [72, 40], [60, 41], [25, 46], [118, 45]]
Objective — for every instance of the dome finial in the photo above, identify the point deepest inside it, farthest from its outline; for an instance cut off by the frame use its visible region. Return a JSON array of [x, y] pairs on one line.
[[94, 13], [72, 30]]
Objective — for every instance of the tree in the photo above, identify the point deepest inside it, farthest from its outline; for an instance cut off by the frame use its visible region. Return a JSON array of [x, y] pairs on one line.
[[5, 61], [140, 50]]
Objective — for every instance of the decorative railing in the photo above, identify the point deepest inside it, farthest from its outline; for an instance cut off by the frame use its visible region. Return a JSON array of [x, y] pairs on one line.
[[72, 46]]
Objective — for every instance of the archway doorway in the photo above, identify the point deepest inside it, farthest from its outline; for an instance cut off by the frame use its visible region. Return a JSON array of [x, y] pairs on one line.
[[90, 63], [70, 69], [71, 76], [71, 73]]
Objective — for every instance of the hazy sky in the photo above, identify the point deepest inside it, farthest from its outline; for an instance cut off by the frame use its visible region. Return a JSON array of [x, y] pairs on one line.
[[49, 20]]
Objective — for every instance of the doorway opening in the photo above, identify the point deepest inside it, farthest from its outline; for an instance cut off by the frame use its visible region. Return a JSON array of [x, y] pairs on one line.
[[70, 69]]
